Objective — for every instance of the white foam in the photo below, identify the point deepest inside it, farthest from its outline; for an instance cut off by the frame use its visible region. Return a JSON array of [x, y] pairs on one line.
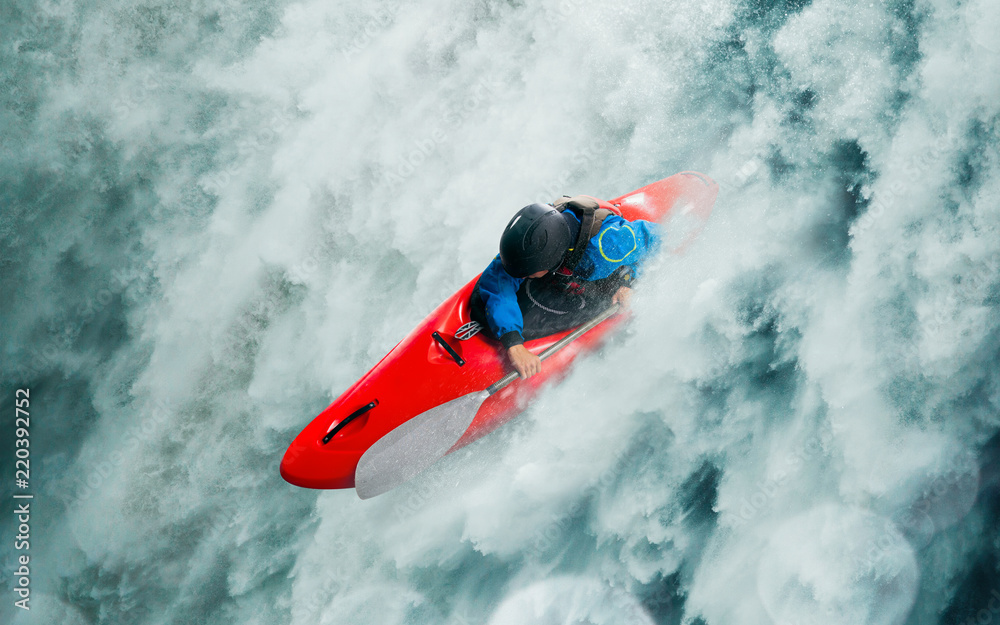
[[320, 190], [569, 600]]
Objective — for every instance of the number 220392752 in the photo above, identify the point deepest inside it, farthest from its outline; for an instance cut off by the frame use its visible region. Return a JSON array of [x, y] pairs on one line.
[[22, 423]]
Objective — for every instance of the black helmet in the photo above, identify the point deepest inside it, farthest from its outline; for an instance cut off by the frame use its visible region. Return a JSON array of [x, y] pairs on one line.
[[536, 239]]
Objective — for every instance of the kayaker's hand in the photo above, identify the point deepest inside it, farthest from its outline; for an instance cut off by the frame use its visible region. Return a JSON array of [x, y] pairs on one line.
[[525, 363], [622, 297]]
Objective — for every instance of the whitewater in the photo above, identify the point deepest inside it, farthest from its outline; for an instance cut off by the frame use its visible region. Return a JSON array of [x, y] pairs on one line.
[[216, 216]]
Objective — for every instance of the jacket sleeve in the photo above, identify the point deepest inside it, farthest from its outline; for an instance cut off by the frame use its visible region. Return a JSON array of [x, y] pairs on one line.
[[622, 243], [499, 292]]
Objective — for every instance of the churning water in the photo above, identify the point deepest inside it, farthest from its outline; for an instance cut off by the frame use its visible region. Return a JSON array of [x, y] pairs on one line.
[[216, 215]]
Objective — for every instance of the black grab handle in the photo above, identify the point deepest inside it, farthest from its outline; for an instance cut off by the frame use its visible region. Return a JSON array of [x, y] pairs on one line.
[[351, 417], [449, 348]]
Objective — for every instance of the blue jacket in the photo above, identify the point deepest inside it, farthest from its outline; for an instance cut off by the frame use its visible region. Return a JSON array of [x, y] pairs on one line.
[[618, 243]]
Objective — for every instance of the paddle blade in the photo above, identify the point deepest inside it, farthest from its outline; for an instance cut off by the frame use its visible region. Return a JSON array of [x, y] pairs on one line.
[[415, 445]]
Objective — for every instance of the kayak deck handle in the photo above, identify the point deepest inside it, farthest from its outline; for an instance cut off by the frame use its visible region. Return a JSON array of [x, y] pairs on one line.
[[448, 348], [351, 417]]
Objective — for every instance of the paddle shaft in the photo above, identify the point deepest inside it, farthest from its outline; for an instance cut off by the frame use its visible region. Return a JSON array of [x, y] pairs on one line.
[[551, 349]]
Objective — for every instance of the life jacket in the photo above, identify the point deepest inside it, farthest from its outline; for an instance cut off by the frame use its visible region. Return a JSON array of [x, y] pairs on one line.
[[591, 217]]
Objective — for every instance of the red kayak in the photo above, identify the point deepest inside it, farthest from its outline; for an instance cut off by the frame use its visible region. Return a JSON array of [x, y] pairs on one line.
[[431, 366]]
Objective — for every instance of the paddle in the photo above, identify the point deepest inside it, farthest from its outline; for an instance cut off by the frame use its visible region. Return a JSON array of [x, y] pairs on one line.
[[423, 440]]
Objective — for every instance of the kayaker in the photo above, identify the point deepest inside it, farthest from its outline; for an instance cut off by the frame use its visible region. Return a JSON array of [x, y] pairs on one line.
[[559, 265]]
